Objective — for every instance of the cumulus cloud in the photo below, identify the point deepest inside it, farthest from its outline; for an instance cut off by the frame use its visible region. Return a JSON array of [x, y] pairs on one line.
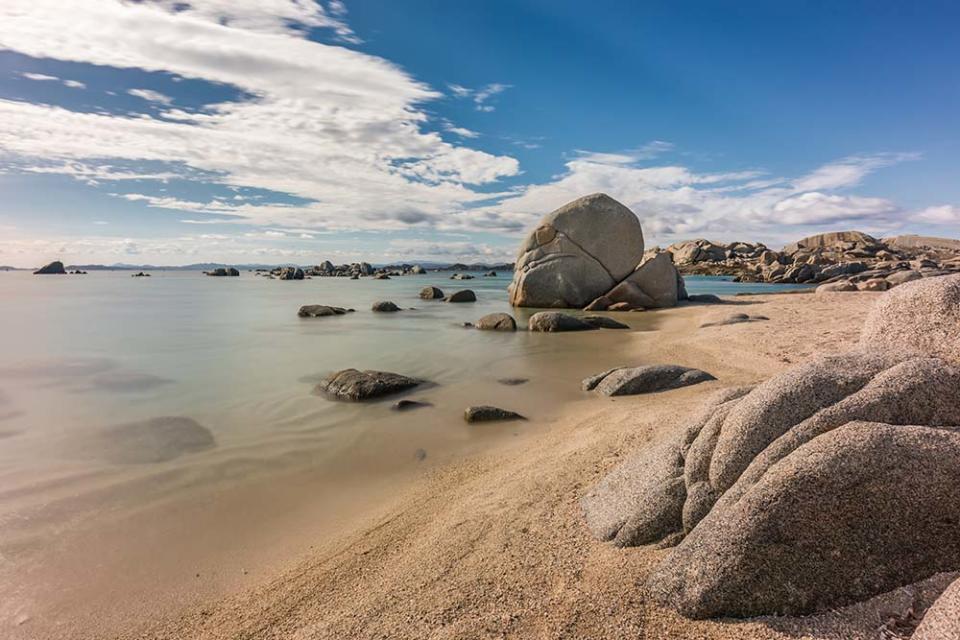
[[942, 214]]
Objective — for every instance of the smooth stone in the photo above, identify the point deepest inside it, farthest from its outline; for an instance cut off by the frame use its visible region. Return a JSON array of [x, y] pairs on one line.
[[384, 306], [430, 293], [319, 311], [646, 379], [704, 298], [464, 295], [603, 322], [497, 322], [406, 405]]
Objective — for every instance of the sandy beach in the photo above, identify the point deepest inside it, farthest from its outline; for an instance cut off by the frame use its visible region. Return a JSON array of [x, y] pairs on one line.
[[495, 546]]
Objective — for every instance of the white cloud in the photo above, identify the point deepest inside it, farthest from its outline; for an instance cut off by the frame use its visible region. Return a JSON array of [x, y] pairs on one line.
[[942, 214], [481, 97], [336, 127], [848, 172], [42, 77], [151, 96]]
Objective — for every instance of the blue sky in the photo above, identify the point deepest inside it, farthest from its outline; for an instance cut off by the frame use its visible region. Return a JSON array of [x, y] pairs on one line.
[[171, 132]]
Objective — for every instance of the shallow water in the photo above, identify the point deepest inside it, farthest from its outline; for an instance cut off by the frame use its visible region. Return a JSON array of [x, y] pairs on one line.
[[98, 504]]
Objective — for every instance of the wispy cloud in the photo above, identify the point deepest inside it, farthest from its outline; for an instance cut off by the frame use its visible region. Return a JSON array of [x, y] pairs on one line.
[[151, 96], [481, 97], [42, 77]]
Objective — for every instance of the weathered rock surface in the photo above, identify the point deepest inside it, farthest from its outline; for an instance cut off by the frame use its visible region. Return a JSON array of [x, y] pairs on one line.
[[430, 293], [497, 322], [354, 385], [221, 272], [464, 295], [291, 273], [486, 413], [842, 518], [554, 321], [384, 306], [922, 315], [837, 287], [625, 381], [320, 310], [54, 268], [942, 620], [657, 279]]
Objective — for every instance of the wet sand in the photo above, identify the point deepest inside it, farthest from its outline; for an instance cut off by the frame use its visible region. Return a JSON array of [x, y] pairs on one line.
[[480, 540]]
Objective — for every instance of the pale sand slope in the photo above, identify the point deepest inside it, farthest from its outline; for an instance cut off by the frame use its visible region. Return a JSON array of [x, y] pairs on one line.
[[495, 547]]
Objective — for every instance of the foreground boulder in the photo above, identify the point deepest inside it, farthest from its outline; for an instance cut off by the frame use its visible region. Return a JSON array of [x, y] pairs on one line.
[[497, 322], [923, 315], [320, 311], [54, 268], [354, 385], [625, 381], [554, 321], [486, 413], [842, 518], [577, 253]]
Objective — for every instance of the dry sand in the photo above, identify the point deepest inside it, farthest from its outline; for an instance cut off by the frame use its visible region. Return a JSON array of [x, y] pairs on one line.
[[494, 546]]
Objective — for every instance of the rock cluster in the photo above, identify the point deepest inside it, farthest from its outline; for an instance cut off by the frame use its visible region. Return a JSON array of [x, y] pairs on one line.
[[844, 260], [222, 272], [589, 253], [834, 481]]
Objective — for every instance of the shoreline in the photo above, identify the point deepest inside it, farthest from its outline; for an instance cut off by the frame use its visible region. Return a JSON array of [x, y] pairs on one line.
[[494, 545]]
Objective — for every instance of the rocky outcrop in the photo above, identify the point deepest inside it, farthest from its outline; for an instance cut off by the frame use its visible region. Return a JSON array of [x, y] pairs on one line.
[[554, 321], [222, 272], [590, 253], [625, 381], [54, 268], [291, 273], [497, 322], [354, 385], [486, 413]]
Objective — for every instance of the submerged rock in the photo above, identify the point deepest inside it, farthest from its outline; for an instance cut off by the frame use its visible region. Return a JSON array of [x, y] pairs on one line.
[[497, 322], [54, 268], [486, 413], [406, 405], [603, 322], [554, 321], [149, 441], [354, 385], [512, 382], [320, 310]]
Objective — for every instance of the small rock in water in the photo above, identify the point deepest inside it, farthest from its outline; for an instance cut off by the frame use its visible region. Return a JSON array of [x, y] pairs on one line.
[[486, 413], [405, 405], [384, 306], [465, 295], [603, 322], [420, 455], [497, 322], [512, 382], [55, 267], [431, 293], [320, 310], [354, 385]]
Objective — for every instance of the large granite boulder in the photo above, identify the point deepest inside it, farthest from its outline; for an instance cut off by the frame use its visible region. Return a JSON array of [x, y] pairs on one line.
[[842, 518], [577, 253], [923, 315], [834, 240], [54, 268], [657, 280], [354, 385]]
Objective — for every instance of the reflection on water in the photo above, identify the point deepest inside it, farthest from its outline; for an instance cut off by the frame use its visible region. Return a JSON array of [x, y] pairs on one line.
[[162, 421]]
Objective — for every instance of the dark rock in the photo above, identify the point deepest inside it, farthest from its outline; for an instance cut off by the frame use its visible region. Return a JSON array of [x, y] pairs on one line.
[[354, 385], [497, 322], [512, 382], [705, 298], [406, 405], [485, 413], [320, 310], [420, 455], [384, 306], [291, 273], [54, 268], [464, 295], [553, 321]]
